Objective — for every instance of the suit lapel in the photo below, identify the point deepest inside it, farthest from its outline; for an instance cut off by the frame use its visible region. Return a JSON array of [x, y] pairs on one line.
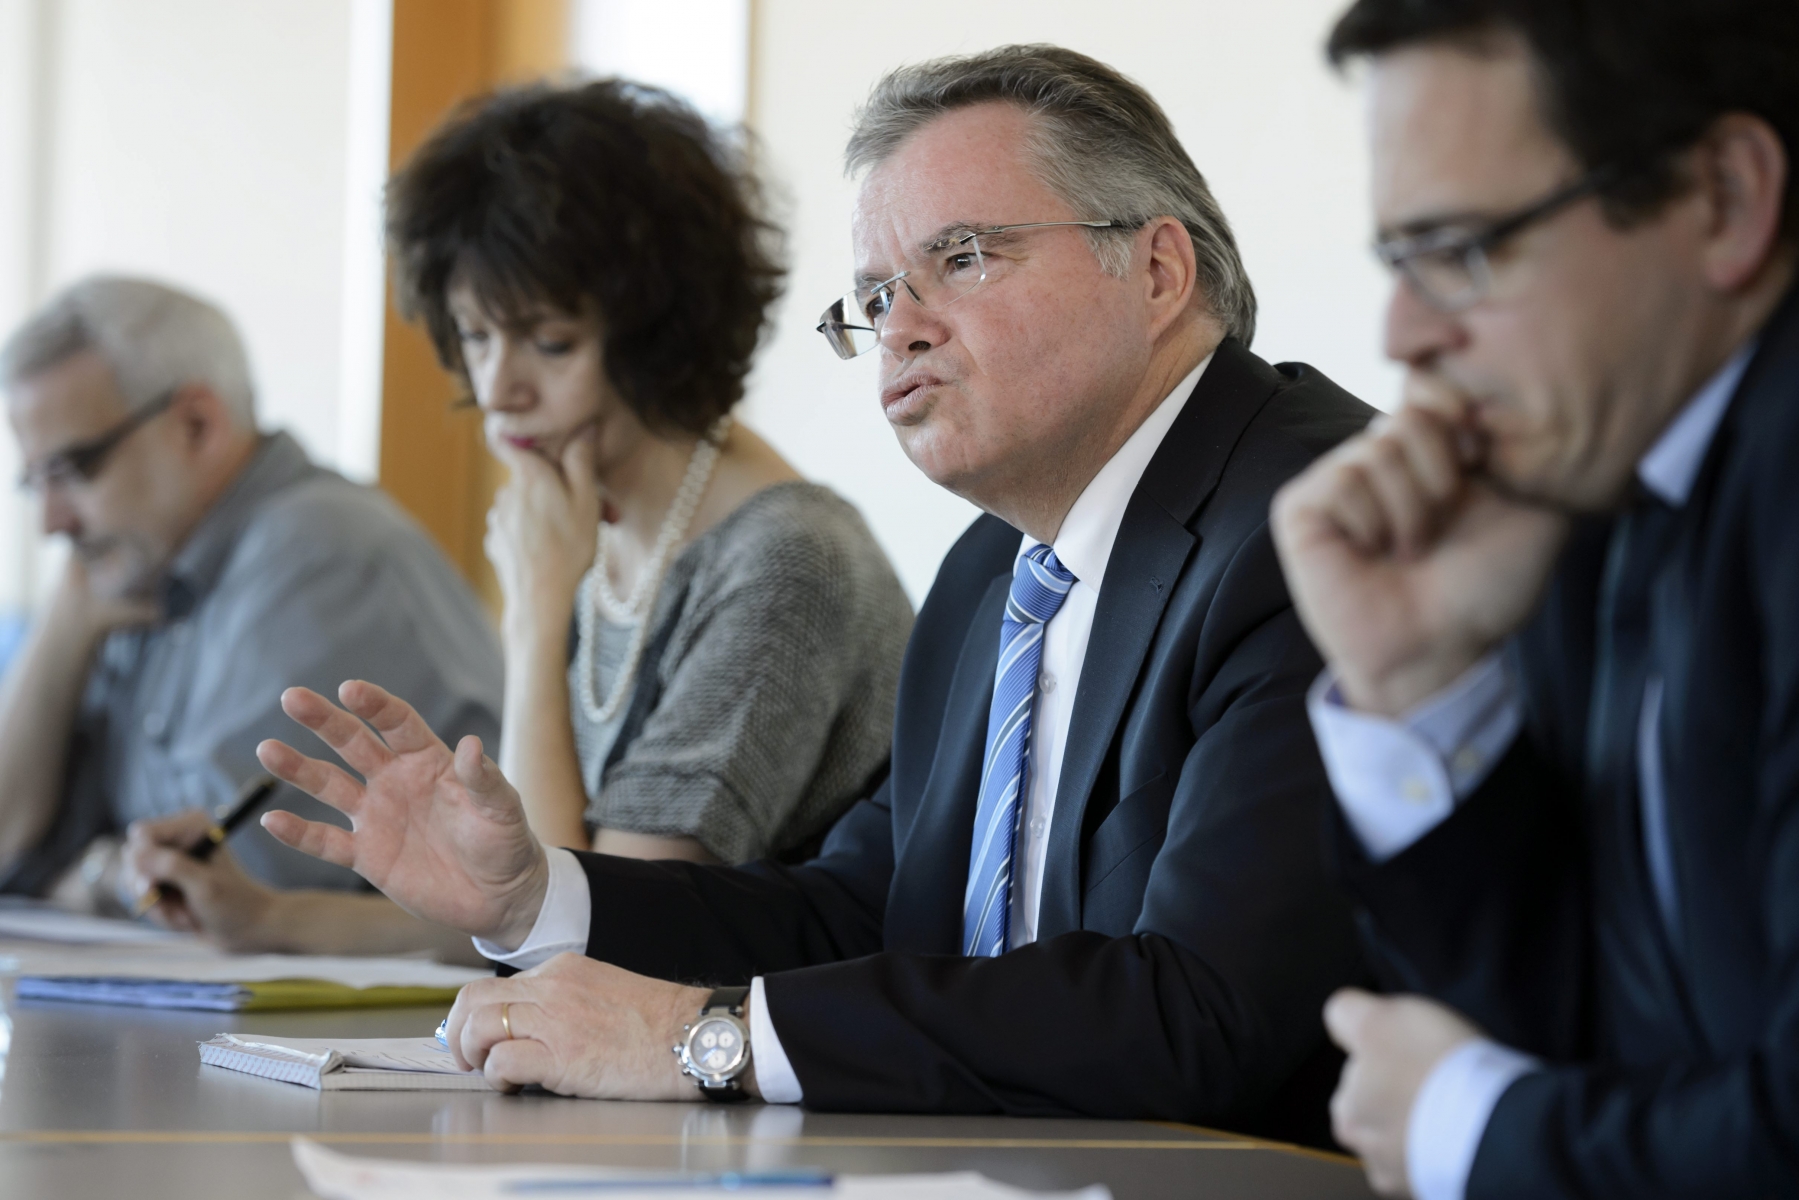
[[924, 914], [1152, 549]]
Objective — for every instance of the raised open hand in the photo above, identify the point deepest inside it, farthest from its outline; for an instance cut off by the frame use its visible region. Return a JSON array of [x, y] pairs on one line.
[[442, 834]]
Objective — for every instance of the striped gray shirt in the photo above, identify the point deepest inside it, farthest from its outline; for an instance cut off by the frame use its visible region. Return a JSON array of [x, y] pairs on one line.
[[775, 690]]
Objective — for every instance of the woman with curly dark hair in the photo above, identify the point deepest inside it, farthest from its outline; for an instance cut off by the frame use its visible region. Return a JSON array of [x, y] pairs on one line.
[[593, 263]]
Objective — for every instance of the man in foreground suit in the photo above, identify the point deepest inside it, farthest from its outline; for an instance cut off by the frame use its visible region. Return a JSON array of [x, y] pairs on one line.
[[1559, 596], [1074, 361]]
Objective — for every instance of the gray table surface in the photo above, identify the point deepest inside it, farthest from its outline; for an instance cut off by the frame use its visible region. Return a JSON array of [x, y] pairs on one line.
[[106, 1101]]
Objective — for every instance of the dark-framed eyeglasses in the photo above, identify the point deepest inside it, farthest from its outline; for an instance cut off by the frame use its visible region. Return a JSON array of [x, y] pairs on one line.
[[946, 271], [81, 462], [1449, 268]]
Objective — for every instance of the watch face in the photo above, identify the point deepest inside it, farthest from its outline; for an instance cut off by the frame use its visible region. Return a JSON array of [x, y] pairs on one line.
[[716, 1047]]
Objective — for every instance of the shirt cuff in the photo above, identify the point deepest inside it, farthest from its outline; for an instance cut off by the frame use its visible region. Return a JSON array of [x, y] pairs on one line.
[[1450, 1114], [774, 1074], [1398, 780], [562, 922]]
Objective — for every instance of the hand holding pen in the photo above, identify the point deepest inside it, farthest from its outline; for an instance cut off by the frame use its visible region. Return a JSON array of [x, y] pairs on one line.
[[225, 822]]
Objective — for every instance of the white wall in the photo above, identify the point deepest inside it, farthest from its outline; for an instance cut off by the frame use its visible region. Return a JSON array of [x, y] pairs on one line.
[[1276, 133], [698, 49], [236, 149], [19, 105]]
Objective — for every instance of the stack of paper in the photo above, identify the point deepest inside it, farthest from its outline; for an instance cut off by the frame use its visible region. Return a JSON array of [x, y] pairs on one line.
[[67, 956], [195, 977], [140, 993], [344, 1064], [336, 1176]]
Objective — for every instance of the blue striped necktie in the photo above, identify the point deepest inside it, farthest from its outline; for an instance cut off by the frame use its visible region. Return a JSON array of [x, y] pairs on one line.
[[1039, 585]]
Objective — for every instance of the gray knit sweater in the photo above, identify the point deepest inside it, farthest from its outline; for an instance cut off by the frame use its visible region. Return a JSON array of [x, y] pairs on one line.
[[776, 684]]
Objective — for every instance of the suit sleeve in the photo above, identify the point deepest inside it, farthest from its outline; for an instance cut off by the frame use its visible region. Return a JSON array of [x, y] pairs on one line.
[[1488, 911], [1202, 1010], [718, 926]]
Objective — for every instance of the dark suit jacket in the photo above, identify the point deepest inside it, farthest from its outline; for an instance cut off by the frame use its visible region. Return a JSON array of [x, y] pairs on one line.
[[1188, 931], [1674, 1071]]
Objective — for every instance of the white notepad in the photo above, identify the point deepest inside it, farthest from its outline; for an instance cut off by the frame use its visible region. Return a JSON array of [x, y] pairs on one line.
[[344, 1064]]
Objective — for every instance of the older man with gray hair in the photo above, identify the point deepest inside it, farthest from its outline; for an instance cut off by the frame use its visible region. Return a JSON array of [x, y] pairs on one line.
[[1091, 883], [211, 566]]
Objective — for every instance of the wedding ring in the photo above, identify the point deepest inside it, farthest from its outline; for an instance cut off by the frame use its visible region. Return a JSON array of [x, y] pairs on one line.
[[506, 1019]]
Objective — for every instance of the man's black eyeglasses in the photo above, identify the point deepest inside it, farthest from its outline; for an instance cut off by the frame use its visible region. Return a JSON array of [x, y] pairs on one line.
[[1449, 267], [83, 461]]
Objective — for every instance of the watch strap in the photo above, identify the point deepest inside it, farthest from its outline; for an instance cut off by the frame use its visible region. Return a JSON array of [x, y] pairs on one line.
[[731, 1093], [728, 998]]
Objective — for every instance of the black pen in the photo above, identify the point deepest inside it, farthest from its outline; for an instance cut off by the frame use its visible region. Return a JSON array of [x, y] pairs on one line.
[[225, 823]]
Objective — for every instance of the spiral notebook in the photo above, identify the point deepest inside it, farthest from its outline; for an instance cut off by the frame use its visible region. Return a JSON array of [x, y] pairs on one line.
[[344, 1064]]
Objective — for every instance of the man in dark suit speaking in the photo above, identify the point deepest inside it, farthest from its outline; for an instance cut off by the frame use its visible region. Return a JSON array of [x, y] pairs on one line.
[[1559, 596], [1091, 882]]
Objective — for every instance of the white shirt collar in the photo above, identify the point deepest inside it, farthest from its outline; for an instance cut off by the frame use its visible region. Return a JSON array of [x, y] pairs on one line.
[[1084, 543], [1673, 463]]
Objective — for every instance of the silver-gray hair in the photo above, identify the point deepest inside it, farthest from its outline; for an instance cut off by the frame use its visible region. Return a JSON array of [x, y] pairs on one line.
[[1102, 144], [153, 337]]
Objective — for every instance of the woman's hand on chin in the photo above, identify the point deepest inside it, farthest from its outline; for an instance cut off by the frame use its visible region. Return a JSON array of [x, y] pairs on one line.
[[541, 532]]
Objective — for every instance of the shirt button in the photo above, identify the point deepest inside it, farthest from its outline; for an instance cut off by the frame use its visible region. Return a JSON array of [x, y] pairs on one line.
[[1037, 826], [154, 724], [1047, 682], [1415, 789], [1467, 760]]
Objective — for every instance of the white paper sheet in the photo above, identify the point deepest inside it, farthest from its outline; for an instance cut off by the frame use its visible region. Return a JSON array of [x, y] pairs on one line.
[[41, 922], [334, 1176]]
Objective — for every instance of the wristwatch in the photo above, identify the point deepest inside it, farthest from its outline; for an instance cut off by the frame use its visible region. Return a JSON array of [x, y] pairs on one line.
[[716, 1050]]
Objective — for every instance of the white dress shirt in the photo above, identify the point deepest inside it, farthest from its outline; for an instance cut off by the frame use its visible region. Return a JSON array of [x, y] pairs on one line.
[[1397, 780], [1084, 545]]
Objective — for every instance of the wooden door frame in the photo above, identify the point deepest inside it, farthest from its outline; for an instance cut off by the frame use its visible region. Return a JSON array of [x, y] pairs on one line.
[[432, 460]]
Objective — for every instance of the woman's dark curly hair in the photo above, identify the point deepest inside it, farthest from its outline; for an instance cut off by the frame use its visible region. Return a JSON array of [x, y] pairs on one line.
[[609, 197]]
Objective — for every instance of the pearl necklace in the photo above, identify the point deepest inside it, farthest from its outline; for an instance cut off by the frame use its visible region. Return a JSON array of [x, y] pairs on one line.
[[596, 592]]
